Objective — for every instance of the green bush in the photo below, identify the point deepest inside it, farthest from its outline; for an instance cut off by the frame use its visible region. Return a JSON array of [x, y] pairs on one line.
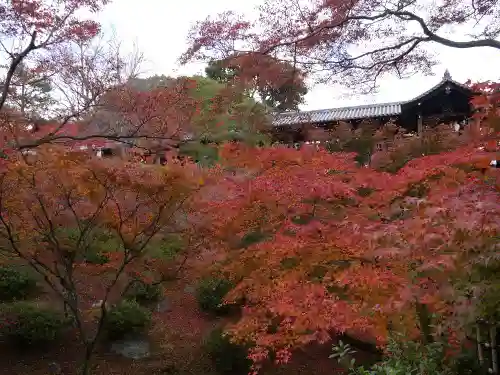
[[96, 257], [15, 284], [127, 317], [144, 293], [251, 238], [364, 191], [409, 357], [26, 323], [418, 190], [210, 295], [228, 358]]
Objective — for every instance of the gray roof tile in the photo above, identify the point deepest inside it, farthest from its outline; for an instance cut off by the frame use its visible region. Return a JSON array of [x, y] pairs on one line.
[[354, 113], [338, 114]]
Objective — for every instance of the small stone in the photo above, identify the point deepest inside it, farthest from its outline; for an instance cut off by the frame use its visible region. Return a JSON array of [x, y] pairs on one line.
[[55, 368], [164, 306], [133, 348], [189, 289]]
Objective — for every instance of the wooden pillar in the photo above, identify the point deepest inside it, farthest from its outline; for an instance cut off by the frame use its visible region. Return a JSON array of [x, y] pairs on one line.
[[123, 152], [493, 343], [420, 128], [480, 352], [157, 158]]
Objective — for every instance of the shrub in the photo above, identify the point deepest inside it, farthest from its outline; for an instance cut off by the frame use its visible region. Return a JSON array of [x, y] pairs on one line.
[[408, 357], [26, 323], [15, 284], [96, 257], [414, 357], [251, 238], [228, 358], [127, 317], [210, 295], [418, 190], [143, 293], [365, 191]]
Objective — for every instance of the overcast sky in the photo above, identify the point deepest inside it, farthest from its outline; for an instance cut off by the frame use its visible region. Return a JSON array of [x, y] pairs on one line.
[[159, 27]]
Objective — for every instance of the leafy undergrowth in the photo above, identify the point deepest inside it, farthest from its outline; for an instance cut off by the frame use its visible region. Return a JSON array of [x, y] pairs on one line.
[[176, 337]]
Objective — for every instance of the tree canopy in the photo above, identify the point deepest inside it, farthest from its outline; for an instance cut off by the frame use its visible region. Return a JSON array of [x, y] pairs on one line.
[[223, 113], [89, 218], [353, 43], [284, 92], [341, 249], [319, 246], [314, 244]]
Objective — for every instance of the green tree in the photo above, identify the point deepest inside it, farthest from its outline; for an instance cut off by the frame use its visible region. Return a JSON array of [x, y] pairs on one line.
[[281, 85], [226, 114], [217, 71], [240, 119], [149, 83]]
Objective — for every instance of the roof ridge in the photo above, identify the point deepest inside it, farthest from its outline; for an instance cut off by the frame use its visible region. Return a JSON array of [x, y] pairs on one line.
[[344, 107], [441, 82]]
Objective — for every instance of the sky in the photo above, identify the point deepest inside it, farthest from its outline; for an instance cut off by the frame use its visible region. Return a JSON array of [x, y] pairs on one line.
[[159, 29]]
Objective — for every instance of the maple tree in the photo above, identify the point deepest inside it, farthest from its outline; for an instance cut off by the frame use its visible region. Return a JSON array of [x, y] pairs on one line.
[[37, 27], [88, 76], [398, 147], [344, 137], [353, 43], [338, 248], [81, 206], [93, 84], [53, 40]]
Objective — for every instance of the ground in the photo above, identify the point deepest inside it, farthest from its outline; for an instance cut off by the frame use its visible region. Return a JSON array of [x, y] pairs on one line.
[[176, 346]]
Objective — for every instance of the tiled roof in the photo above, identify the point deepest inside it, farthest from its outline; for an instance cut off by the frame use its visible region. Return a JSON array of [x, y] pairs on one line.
[[357, 112], [442, 82], [338, 114]]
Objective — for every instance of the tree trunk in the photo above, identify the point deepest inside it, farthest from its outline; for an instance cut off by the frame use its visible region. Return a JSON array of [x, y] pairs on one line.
[[424, 322], [87, 360]]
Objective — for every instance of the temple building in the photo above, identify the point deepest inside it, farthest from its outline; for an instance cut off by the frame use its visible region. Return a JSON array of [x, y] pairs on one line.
[[446, 102]]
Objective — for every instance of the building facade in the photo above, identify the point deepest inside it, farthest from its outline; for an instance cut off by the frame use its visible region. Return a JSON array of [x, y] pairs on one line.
[[446, 102]]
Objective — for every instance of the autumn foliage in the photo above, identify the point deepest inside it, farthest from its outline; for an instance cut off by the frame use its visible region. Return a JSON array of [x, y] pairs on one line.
[[351, 43], [60, 210], [90, 227], [314, 243], [341, 248]]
